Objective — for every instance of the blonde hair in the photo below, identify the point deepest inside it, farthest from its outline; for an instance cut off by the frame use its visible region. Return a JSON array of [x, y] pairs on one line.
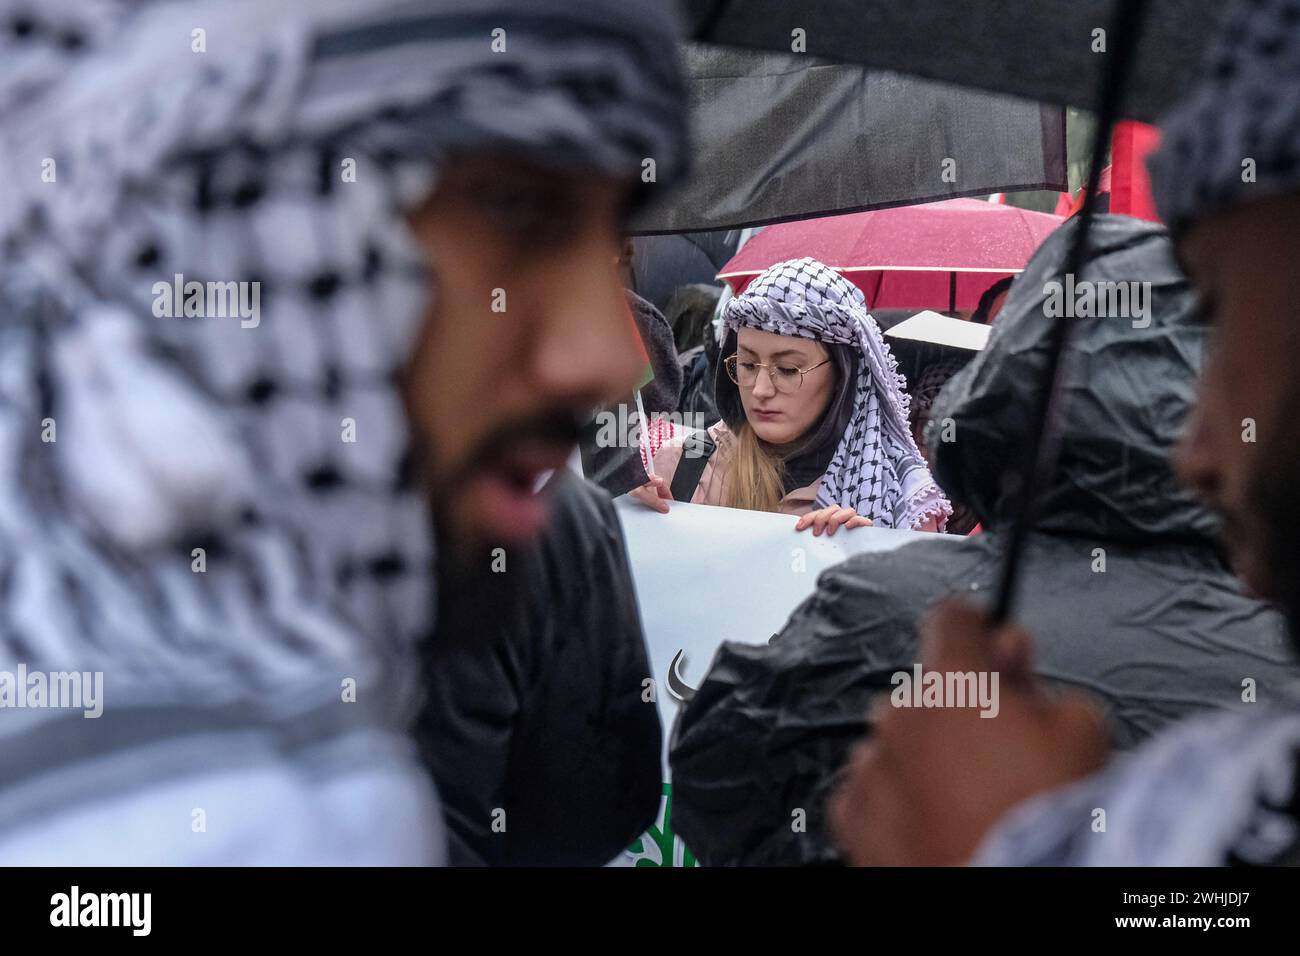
[[753, 476]]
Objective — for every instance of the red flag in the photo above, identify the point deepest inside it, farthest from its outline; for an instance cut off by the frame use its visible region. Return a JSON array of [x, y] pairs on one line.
[[1130, 192]]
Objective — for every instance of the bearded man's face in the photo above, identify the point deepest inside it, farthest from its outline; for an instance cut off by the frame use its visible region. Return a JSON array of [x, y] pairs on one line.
[[528, 331], [1241, 451]]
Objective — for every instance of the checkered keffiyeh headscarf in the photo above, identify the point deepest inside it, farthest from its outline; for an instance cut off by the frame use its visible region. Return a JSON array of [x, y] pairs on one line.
[[877, 469], [931, 383], [1236, 138], [1207, 791], [279, 449]]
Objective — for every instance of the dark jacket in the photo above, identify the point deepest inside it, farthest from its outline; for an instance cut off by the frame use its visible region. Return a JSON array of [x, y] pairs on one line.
[[535, 698], [618, 468], [699, 370], [1162, 632], [663, 393]]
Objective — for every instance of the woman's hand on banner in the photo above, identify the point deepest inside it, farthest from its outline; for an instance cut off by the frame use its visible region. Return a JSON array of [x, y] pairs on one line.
[[654, 494], [829, 519]]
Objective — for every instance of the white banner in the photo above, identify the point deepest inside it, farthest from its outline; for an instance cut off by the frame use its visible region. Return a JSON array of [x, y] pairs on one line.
[[705, 575]]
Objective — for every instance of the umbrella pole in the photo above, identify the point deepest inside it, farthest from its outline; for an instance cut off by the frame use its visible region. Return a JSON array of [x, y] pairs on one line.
[[1039, 463]]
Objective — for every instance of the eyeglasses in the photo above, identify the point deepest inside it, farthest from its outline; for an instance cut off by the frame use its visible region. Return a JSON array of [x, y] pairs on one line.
[[785, 378]]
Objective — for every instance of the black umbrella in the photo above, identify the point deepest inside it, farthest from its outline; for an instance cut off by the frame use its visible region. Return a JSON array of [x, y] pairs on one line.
[[661, 264], [1048, 52], [782, 135]]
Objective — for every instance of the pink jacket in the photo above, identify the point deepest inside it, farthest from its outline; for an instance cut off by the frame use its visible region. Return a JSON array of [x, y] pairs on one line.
[[709, 491], [797, 502]]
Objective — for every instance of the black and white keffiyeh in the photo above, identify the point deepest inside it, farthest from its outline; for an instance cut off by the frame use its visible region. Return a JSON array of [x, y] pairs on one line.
[[1219, 789], [877, 469], [1236, 137], [931, 383], [214, 510]]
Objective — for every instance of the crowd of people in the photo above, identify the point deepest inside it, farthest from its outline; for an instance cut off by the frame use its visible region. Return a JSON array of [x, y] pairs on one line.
[[350, 603]]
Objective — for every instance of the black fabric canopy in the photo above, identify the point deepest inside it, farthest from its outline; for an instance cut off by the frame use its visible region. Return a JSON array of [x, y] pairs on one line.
[[778, 136], [1040, 50]]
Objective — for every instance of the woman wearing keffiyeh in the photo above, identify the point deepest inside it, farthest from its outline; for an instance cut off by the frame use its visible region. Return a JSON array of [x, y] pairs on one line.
[[815, 413], [225, 517]]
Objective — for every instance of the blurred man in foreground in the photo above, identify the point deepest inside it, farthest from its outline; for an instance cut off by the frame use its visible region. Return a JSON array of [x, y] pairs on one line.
[[943, 785], [224, 296]]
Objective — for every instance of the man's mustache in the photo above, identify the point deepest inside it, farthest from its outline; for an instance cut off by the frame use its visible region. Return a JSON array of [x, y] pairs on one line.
[[462, 565], [556, 427]]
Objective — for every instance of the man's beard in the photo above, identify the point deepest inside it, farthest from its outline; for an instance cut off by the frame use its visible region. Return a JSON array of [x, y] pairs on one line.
[[461, 552], [475, 602], [1276, 502]]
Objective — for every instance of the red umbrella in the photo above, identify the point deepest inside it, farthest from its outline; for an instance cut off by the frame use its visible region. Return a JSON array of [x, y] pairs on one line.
[[939, 255]]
